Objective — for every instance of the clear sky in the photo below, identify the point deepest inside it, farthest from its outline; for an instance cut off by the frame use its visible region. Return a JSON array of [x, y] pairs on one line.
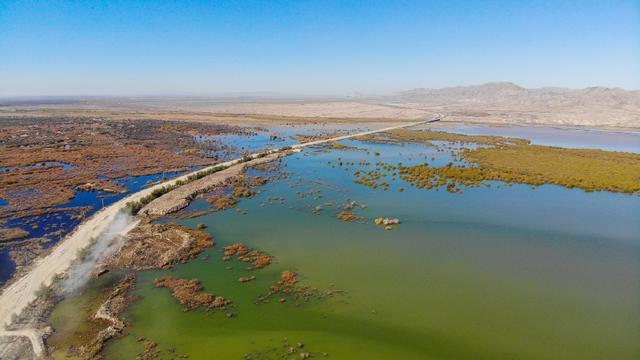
[[312, 47]]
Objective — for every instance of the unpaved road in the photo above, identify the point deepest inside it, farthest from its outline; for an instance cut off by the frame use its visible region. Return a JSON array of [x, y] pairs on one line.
[[34, 336], [15, 298], [181, 197]]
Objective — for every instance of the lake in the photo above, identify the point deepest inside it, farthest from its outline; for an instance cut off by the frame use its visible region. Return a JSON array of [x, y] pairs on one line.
[[495, 272]]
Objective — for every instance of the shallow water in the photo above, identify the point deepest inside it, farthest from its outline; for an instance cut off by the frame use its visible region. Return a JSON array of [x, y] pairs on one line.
[[499, 272], [55, 226], [234, 146], [563, 137]]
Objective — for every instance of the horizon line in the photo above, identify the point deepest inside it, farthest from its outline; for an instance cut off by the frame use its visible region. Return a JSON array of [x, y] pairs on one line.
[[287, 95]]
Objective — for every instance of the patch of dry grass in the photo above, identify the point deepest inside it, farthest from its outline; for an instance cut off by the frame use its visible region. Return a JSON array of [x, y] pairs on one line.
[[517, 161]]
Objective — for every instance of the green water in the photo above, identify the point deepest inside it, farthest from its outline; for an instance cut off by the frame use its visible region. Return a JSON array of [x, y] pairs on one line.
[[494, 273]]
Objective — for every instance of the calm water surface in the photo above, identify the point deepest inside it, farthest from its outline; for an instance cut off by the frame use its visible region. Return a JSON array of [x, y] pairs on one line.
[[499, 273], [577, 138]]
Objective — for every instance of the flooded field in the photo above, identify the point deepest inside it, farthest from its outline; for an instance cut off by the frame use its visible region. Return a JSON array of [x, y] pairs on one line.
[[576, 138], [499, 271], [54, 225], [41, 201]]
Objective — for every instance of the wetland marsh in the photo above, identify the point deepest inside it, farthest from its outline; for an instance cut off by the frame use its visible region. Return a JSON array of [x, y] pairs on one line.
[[497, 271]]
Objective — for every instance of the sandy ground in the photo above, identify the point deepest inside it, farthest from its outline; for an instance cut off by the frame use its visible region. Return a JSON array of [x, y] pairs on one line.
[[335, 109], [34, 336], [491, 103], [15, 298]]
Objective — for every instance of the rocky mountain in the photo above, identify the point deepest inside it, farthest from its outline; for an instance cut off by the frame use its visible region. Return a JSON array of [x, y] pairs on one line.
[[502, 103], [510, 103]]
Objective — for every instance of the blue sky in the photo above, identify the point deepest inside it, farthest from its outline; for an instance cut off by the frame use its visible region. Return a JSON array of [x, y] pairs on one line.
[[312, 47]]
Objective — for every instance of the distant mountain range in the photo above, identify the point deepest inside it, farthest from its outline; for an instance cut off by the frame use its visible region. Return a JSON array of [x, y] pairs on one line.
[[504, 103], [510, 103]]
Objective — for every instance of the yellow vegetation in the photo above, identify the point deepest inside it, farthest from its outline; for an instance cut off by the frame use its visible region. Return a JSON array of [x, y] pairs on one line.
[[582, 168], [517, 161], [405, 135]]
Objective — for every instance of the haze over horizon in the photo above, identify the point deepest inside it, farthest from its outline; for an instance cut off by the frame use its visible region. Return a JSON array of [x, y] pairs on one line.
[[52, 48]]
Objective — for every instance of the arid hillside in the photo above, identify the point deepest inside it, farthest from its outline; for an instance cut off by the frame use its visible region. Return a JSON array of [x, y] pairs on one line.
[[503, 103], [509, 103]]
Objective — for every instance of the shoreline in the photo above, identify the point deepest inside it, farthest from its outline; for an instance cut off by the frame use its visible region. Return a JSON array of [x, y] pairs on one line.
[[605, 129]]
